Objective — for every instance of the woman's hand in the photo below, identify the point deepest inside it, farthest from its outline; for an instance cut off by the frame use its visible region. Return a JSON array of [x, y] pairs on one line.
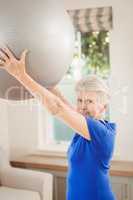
[[14, 66]]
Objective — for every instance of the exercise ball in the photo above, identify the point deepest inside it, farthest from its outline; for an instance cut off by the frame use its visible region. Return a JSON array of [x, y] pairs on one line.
[[45, 29]]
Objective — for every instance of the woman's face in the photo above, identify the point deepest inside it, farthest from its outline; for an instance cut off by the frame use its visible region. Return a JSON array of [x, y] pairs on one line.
[[88, 105]]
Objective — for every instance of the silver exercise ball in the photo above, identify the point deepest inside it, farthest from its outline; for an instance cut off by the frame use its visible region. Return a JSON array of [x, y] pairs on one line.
[[45, 29]]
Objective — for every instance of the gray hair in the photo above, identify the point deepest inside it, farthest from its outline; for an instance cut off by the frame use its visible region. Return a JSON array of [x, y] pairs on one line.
[[96, 84]]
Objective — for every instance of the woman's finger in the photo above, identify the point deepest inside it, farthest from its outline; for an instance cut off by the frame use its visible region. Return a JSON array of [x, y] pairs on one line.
[[2, 59], [3, 55], [2, 63], [23, 55], [8, 52]]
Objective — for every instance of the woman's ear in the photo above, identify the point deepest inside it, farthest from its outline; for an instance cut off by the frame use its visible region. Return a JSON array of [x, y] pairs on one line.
[[103, 108]]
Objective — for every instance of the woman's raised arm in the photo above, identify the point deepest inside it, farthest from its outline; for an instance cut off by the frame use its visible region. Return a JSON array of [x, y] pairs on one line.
[[55, 90], [16, 67]]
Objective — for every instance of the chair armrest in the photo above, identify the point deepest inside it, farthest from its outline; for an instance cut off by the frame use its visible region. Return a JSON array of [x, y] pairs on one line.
[[41, 182]]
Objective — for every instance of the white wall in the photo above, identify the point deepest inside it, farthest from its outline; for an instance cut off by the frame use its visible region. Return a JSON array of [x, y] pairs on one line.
[[4, 139], [23, 128]]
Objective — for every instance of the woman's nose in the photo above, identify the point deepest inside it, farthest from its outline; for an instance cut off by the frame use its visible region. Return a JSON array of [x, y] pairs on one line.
[[83, 106]]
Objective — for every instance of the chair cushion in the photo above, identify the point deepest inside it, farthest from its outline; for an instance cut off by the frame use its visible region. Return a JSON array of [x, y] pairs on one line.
[[7, 193]]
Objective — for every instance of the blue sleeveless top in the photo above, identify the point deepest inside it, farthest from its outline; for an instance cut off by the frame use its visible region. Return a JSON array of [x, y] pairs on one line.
[[89, 162]]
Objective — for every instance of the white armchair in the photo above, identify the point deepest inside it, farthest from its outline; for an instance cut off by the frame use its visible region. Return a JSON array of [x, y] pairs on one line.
[[23, 184]]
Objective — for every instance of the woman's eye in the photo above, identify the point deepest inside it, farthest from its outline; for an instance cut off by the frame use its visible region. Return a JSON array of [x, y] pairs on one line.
[[79, 100], [87, 101], [90, 101]]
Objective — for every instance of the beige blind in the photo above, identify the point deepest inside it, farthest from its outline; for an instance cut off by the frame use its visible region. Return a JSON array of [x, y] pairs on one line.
[[92, 19]]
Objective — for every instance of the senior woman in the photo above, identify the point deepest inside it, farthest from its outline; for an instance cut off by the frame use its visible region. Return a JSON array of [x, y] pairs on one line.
[[92, 146]]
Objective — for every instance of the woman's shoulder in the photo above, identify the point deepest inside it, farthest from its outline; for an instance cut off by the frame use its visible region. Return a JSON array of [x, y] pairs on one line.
[[109, 124], [100, 124]]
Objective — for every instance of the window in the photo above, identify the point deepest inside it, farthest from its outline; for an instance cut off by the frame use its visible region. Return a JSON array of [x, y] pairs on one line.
[[91, 56]]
